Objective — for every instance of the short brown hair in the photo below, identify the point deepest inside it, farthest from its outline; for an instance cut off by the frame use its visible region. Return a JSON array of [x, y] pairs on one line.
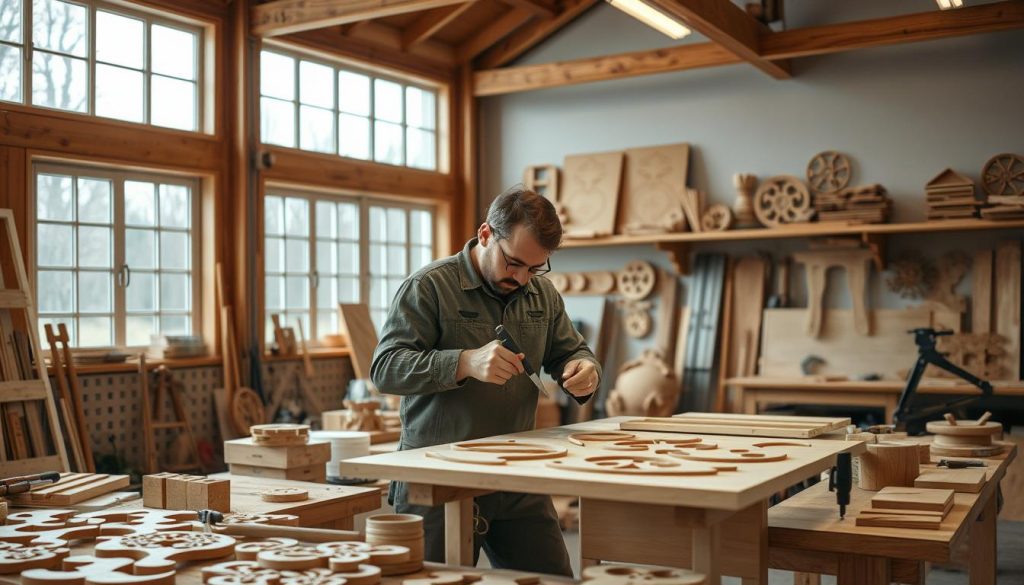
[[519, 205]]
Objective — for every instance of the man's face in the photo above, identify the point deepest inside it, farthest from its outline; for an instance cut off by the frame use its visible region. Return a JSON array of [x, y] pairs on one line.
[[508, 264]]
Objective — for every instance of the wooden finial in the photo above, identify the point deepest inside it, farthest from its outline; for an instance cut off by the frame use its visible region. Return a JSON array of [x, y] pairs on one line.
[[950, 419]]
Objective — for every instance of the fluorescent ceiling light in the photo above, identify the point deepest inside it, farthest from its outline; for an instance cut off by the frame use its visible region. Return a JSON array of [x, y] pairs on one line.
[[654, 18], [947, 4]]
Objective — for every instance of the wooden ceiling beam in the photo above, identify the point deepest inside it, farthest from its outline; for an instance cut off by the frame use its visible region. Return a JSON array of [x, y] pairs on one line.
[[524, 39], [430, 23], [282, 17], [541, 8], [492, 33], [727, 24]]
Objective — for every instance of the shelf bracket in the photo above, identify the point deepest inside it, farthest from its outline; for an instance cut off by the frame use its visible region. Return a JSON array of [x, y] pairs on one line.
[[875, 243], [679, 254]]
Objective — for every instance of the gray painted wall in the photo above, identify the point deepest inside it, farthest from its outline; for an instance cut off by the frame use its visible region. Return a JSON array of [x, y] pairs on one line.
[[901, 113]]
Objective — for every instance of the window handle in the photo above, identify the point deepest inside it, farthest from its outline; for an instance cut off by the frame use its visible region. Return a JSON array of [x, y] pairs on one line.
[[125, 276], [315, 278]]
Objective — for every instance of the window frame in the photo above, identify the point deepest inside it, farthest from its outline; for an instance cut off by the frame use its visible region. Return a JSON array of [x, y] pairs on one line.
[[149, 17], [438, 90], [364, 202], [117, 177]]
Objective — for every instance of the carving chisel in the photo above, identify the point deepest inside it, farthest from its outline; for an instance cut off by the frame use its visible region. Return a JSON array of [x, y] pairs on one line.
[[510, 344]]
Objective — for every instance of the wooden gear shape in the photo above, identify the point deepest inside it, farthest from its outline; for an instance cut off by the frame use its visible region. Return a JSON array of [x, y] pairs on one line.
[[717, 218], [636, 281], [160, 551], [637, 321], [1003, 174], [89, 570], [781, 200], [829, 172], [15, 558]]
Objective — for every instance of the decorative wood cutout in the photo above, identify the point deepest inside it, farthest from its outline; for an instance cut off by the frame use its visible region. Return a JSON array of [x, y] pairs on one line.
[[912, 275], [950, 195], [637, 445], [15, 558], [279, 435], [512, 450], [982, 354], [856, 263], [743, 206], [161, 551], [758, 425], [738, 455], [1003, 174], [590, 193], [781, 200], [628, 575], [716, 218], [138, 522], [582, 439], [633, 465], [49, 528], [653, 187], [828, 172], [952, 269], [274, 519], [637, 320], [89, 570], [644, 386], [636, 280]]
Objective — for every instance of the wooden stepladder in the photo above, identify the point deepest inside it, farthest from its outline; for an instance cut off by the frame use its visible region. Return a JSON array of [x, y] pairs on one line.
[[152, 420], [30, 423], [70, 397]]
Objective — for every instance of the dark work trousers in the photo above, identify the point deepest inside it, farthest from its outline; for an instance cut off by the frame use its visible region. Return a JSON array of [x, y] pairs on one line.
[[518, 532]]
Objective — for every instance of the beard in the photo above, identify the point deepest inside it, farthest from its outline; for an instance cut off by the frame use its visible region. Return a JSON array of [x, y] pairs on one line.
[[505, 286]]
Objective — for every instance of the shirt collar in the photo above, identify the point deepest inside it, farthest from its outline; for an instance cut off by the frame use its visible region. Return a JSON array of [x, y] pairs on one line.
[[470, 279]]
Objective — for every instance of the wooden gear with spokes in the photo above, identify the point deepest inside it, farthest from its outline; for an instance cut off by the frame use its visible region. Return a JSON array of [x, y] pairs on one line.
[[1003, 174], [829, 172]]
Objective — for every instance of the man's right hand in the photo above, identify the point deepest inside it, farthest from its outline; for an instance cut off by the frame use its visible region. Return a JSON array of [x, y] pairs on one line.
[[492, 363]]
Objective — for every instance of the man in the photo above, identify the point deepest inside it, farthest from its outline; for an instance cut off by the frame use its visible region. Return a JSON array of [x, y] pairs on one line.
[[438, 350]]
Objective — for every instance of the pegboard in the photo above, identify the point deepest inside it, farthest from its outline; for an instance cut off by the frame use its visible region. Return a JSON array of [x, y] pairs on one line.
[[112, 403]]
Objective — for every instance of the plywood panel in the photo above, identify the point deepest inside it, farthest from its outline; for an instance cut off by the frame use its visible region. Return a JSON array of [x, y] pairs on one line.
[[1007, 302], [590, 192], [653, 185]]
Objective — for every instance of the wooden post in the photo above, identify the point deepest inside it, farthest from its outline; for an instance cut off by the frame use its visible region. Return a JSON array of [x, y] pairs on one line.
[[458, 532], [982, 564]]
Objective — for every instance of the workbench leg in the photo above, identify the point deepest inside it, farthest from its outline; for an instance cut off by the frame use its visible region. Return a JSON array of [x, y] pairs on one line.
[[982, 564], [749, 402], [857, 569], [806, 579], [705, 547], [760, 526], [458, 532]]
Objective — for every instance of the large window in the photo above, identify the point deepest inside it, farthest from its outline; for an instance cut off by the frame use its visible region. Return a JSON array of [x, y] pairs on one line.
[[319, 107], [115, 254], [321, 250], [92, 58]]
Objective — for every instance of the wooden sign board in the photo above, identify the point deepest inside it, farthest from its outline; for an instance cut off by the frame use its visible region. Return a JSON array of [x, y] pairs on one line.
[[654, 185]]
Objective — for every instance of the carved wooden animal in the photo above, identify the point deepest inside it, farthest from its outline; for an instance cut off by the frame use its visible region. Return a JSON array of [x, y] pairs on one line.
[[645, 387]]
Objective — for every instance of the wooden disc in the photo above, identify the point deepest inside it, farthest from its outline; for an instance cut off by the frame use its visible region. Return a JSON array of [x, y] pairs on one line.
[[602, 282], [717, 218], [638, 323], [1003, 174], [964, 428], [285, 494], [246, 410], [577, 282], [559, 280], [781, 200], [636, 281], [829, 172]]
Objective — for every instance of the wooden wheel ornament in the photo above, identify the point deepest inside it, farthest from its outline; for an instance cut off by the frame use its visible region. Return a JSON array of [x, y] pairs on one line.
[[636, 281], [717, 218], [247, 409], [828, 172], [1003, 174], [782, 199], [637, 321]]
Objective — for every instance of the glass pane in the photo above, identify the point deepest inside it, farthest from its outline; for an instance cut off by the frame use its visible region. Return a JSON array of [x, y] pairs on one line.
[[396, 225], [353, 93], [316, 84], [379, 316], [273, 216], [174, 292], [297, 292], [327, 295], [277, 122], [174, 251], [348, 290], [119, 93], [59, 82], [378, 219], [174, 103], [95, 332], [326, 323], [420, 228], [273, 251], [393, 285], [55, 245], [277, 75], [95, 292], [173, 52], [140, 249], [140, 328], [296, 255], [274, 297], [396, 261], [174, 207], [316, 129], [377, 259], [387, 145], [387, 100], [140, 295], [378, 293], [353, 136], [296, 217], [420, 257], [139, 203], [175, 325], [326, 258], [348, 257], [420, 108], [59, 26], [268, 331], [326, 220], [348, 216], [119, 39], [422, 153], [55, 291], [94, 200], [10, 73], [95, 247], [53, 197], [10, 20]]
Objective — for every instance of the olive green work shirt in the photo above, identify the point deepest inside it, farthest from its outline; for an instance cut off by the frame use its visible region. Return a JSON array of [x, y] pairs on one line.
[[445, 308]]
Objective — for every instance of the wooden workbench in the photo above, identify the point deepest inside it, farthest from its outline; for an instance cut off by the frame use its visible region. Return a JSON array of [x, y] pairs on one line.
[[695, 509], [806, 535]]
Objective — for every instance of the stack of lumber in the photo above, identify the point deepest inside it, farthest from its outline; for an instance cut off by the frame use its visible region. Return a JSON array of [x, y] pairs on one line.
[[862, 204], [73, 488], [1004, 207], [279, 452], [903, 507], [177, 346], [950, 195]]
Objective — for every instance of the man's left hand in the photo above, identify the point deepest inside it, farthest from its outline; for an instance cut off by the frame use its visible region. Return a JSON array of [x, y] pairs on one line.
[[580, 377]]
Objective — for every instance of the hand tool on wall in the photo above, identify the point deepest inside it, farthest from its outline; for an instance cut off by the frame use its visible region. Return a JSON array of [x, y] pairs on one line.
[[840, 481]]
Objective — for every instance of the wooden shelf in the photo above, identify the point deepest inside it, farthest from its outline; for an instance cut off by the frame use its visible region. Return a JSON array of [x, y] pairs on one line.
[[873, 235], [132, 365], [314, 352]]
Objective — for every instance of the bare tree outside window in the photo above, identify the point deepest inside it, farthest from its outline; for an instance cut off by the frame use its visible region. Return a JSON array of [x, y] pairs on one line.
[[59, 69]]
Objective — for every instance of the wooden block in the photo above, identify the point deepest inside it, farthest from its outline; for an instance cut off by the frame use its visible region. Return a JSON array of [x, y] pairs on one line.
[[313, 473], [154, 489], [900, 521], [890, 463], [903, 498], [213, 494], [246, 452], [176, 491], [959, 480]]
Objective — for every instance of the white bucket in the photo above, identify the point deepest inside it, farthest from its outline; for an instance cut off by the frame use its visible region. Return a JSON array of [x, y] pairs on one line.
[[344, 445]]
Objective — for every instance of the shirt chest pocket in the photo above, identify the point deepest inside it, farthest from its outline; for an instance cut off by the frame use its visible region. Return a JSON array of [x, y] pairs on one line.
[[532, 335], [474, 329]]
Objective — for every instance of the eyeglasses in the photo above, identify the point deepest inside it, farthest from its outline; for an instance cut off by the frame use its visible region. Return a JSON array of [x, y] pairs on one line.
[[511, 265]]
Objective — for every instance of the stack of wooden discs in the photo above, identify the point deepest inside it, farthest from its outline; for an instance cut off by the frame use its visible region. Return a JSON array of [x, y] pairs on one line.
[[279, 435], [402, 530], [955, 438]]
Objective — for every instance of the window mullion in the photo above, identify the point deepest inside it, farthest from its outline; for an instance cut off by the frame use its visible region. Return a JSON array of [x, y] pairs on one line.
[[120, 292], [311, 281], [364, 251]]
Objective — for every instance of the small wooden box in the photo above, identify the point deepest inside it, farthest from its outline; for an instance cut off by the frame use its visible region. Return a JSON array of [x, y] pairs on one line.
[[154, 489], [176, 491], [213, 494], [245, 452], [314, 473]]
